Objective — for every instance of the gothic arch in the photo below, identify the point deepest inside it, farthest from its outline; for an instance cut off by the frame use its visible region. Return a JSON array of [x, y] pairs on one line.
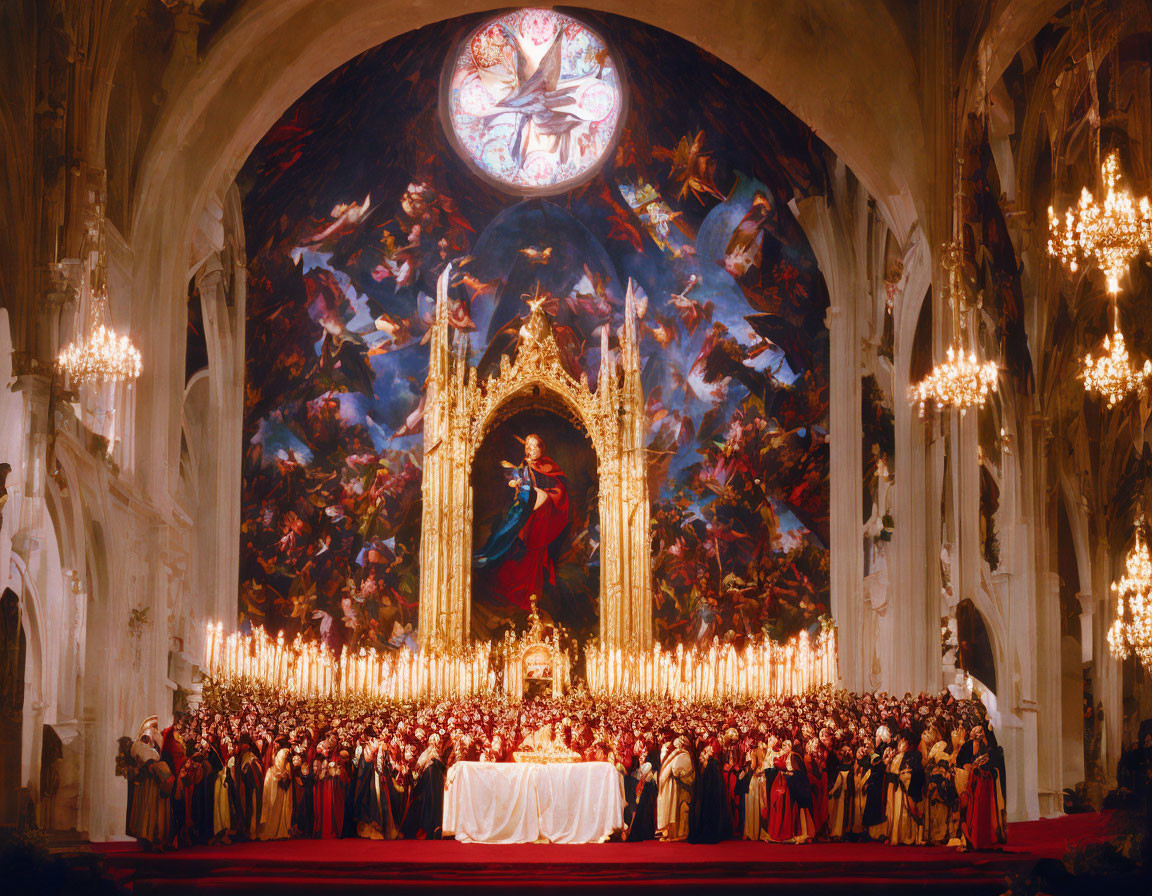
[[461, 410]]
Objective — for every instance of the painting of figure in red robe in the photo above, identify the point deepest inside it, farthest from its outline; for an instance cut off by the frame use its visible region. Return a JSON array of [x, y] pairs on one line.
[[532, 479]]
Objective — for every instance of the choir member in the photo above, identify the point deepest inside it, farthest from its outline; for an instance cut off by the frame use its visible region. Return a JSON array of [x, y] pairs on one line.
[[371, 809], [904, 783], [875, 810], [276, 811], [709, 821], [984, 796], [841, 797], [674, 793], [815, 765], [303, 791]]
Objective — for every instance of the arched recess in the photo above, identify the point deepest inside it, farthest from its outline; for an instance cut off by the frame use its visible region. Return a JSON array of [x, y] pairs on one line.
[[541, 412], [461, 410], [13, 648], [977, 656], [1075, 668]]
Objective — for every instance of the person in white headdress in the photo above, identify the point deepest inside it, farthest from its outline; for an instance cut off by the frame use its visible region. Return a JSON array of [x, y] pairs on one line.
[[674, 793], [149, 819], [276, 811]]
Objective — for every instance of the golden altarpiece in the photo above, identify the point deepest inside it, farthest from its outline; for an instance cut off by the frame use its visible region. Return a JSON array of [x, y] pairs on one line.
[[461, 410]]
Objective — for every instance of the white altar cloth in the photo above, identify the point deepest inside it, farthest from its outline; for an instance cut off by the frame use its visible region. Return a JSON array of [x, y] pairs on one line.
[[514, 802]]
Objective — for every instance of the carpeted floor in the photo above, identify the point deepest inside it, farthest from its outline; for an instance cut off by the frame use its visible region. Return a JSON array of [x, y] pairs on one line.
[[295, 866]]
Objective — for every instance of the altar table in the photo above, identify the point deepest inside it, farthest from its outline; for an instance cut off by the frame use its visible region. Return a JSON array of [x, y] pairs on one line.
[[513, 802]]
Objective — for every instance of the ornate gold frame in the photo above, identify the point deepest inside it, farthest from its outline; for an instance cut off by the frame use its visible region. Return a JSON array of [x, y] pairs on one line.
[[459, 413]]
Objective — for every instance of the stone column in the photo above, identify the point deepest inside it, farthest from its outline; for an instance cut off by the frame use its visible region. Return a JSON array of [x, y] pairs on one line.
[[915, 571], [832, 245], [846, 513], [224, 333]]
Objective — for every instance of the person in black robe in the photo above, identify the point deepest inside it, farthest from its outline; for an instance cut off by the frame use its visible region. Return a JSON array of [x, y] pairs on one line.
[[348, 826], [303, 794], [202, 796], [631, 774], [245, 783], [732, 766], [427, 804], [396, 776], [708, 819], [371, 795], [643, 826], [801, 789], [875, 808]]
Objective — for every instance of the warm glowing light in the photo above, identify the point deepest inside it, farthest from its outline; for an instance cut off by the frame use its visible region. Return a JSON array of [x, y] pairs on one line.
[[962, 381], [1110, 372], [1132, 630], [1110, 235], [763, 668], [103, 356]]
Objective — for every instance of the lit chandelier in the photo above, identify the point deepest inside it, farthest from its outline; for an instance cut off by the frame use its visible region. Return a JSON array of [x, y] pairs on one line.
[[1111, 235], [1110, 372], [962, 381], [1132, 630], [102, 356]]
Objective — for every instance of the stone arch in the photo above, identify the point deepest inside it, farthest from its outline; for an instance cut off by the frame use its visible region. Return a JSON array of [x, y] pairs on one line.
[[979, 652], [218, 110], [13, 658], [536, 393]]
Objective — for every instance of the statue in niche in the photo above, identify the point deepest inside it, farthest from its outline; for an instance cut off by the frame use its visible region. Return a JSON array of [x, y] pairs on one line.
[[878, 531], [879, 527], [519, 548]]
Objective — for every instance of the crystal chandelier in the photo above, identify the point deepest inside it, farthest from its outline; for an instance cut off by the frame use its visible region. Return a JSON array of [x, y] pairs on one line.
[[1131, 632], [1110, 373], [103, 356], [962, 381], [1111, 235]]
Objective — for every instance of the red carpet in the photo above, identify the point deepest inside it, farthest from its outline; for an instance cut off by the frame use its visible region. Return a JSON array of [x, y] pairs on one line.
[[418, 866]]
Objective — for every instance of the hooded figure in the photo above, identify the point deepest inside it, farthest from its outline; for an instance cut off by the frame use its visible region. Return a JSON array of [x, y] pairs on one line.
[[276, 810], [709, 821]]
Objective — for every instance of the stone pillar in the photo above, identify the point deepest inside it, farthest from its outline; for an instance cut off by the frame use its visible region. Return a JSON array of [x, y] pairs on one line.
[[831, 243], [846, 513], [1087, 611], [224, 333]]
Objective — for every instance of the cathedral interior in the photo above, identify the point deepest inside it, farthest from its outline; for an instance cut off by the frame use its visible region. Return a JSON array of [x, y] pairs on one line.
[[796, 209]]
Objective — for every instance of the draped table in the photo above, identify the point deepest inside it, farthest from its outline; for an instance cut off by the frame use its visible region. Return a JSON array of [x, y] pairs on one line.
[[513, 802]]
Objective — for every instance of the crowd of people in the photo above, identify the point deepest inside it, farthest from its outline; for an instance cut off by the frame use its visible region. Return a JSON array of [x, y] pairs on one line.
[[830, 765]]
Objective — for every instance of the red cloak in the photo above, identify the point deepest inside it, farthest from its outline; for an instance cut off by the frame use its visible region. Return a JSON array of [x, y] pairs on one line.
[[523, 572]]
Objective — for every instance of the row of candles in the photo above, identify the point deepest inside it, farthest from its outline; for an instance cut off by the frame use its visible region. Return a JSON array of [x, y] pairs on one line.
[[311, 669], [763, 668]]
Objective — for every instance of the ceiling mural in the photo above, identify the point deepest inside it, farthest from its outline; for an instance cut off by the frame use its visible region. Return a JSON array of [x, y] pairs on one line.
[[545, 162]]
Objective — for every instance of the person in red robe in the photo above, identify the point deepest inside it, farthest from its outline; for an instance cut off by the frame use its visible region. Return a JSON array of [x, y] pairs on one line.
[[983, 796], [782, 812], [816, 767], [519, 548]]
